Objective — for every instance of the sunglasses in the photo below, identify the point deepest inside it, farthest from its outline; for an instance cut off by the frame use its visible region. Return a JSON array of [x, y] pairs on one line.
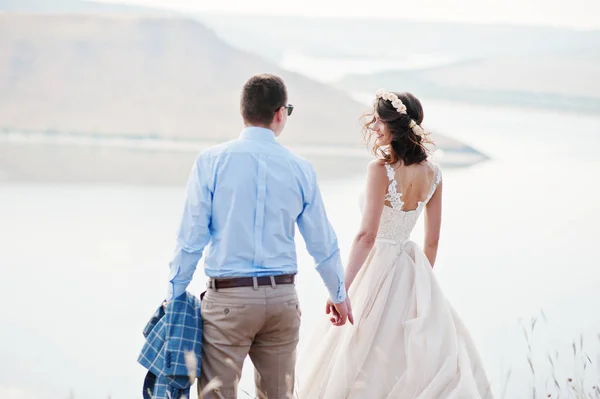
[[289, 107]]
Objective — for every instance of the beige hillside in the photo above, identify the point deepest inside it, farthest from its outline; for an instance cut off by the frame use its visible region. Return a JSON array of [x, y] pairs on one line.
[[144, 75]]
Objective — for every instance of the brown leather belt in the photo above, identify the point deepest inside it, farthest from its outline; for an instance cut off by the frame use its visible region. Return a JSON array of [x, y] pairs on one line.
[[237, 282]]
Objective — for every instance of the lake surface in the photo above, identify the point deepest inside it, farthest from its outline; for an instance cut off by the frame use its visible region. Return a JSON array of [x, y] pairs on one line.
[[83, 267]]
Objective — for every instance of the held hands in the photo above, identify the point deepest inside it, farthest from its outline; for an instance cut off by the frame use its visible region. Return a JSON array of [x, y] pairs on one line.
[[340, 312]]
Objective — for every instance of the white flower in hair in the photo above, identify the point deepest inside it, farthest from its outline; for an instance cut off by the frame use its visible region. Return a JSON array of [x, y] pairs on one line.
[[393, 98], [416, 128]]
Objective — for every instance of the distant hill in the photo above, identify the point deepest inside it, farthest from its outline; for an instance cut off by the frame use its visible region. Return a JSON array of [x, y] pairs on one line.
[[552, 82], [354, 37], [535, 66], [70, 81], [532, 66], [146, 76]]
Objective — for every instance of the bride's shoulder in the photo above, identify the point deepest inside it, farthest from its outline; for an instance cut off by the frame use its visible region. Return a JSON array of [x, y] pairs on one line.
[[435, 168], [377, 170], [432, 164], [377, 166], [432, 172]]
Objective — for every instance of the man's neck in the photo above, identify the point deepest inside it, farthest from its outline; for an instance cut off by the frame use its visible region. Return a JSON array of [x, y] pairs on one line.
[[249, 126]]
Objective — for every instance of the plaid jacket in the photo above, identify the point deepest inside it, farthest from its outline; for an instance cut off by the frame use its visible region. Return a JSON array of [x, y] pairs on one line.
[[170, 333]]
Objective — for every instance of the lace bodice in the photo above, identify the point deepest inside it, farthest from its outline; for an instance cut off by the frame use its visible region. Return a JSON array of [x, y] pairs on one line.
[[396, 225]]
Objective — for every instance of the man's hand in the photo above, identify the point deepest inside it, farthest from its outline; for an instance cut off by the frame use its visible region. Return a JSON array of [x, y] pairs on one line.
[[340, 312]]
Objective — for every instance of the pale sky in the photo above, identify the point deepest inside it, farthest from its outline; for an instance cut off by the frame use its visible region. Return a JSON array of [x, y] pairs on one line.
[[583, 14]]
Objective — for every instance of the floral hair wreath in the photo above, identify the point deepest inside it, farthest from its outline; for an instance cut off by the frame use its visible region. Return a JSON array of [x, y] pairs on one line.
[[401, 108]]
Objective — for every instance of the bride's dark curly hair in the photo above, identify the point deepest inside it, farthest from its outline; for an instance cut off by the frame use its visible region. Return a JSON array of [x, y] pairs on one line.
[[408, 143]]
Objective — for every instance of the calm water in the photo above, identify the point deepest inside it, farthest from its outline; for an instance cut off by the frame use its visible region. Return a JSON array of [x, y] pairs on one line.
[[83, 267], [331, 69]]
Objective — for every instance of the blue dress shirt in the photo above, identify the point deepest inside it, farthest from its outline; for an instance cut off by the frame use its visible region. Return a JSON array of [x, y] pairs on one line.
[[245, 197]]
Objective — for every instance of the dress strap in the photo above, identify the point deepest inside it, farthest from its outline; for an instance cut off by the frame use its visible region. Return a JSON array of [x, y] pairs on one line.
[[438, 179], [390, 172], [393, 196]]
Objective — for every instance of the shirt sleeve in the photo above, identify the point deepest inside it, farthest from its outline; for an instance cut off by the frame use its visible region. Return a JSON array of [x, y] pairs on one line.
[[321, 241], [194, 230]]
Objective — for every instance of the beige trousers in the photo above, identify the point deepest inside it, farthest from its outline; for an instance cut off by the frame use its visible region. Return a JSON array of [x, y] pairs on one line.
[[263, 323]]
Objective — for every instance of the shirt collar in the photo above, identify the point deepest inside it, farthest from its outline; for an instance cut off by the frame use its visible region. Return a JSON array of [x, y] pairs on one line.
[[257, 133]]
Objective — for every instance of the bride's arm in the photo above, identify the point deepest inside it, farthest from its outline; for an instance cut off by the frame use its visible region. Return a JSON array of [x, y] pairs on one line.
[[433, 222], [377, 183]]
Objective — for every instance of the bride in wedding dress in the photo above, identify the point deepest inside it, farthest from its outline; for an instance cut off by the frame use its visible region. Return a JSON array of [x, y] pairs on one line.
[[407, 342]]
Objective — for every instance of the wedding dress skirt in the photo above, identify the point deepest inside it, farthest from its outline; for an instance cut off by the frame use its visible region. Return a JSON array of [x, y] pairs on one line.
[[407, 341]]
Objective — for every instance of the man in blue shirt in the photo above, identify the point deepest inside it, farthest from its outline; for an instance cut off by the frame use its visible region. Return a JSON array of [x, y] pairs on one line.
[[244, 198]]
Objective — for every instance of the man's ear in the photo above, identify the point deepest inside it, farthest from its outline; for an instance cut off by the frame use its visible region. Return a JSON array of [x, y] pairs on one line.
[[279, 115]]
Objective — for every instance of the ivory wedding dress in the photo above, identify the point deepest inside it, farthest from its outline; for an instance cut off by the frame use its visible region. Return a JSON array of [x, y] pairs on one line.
[[407, 341]]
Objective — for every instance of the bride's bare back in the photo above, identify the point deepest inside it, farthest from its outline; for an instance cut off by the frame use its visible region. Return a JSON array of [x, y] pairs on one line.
[[414, 185]]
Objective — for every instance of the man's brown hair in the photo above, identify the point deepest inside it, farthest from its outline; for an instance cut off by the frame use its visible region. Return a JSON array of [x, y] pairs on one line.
[[262, 96]]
